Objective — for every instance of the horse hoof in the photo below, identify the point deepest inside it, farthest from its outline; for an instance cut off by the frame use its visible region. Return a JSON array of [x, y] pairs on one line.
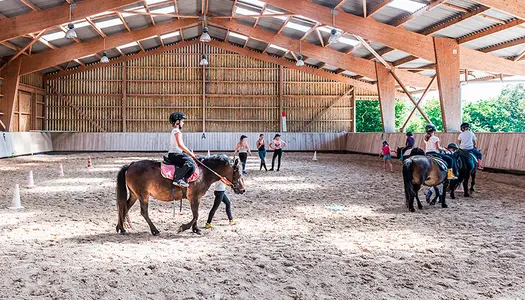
[[433, 203], [453, 196], [412, 209], [467, 195], [444, 206], [197, 231], [420, 206], [155, 232], [181, 229]]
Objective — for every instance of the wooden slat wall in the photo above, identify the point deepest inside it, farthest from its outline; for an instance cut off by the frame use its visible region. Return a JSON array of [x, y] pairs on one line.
[[215, 141], [500, 150], [29, 105], [240, 94]]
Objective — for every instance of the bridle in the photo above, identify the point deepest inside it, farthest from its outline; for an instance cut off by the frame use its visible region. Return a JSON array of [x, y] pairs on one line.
[[222, 178]]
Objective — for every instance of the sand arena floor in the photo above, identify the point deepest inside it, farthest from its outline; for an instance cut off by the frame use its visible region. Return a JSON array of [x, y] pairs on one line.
[[288, 244]]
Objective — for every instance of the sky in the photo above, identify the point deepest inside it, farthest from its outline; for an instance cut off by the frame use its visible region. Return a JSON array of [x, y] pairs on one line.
[[475, 91]]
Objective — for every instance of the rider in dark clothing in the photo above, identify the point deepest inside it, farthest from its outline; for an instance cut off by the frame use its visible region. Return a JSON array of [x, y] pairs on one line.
[[179, 154], [409, 144]]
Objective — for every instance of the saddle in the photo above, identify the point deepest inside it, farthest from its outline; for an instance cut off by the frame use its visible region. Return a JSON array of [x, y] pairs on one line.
[[439, 161], [167, 170], [466, 154]]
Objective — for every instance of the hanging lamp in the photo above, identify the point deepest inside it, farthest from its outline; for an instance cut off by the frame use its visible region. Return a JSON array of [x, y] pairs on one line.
[[300, 62], [104, 59], [334, 35], [204, 60], [205, 36], [71, 33]]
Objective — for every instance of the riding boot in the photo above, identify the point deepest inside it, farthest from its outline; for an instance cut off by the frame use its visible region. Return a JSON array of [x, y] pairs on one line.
[[178, 179], [480, 165], [264, 165], [260, 167], [450, 175]]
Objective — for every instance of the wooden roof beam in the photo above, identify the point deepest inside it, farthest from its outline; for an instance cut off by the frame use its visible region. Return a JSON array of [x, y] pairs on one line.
[[512, 7], [56, 16], [146, 6], [47, 59], [123, 21], [339, 59], [262, 12], [95, 27]]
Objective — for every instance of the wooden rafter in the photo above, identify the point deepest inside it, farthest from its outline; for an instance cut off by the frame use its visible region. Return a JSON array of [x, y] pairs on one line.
[[284, 25], [176, 5], [233, 8], [95, 27], [12, 46], [161, 41], [376, 8], [262, 12], [364, 9], [306, 34], [418, 103], [146, 6], [140, 46], [123, 21], [31, 5], [341, 3], [319, 36], [34, 40], [513, 7], [333, 57], [56, 16], [47, 59]]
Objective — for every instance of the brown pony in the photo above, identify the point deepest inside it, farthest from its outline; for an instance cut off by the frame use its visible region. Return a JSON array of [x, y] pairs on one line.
[[143, 179]]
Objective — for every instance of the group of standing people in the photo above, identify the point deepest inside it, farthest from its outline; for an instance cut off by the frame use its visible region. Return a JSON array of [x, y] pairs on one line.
[[277, 145]]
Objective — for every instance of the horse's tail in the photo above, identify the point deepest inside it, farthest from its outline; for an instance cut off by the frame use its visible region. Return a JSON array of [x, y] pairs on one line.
[[407, 179], [122, 194]]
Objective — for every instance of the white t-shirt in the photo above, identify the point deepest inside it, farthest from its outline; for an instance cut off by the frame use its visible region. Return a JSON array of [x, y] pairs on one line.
[[430, 145], [467, 139], [174, 147], [220, 187], [278, 144]]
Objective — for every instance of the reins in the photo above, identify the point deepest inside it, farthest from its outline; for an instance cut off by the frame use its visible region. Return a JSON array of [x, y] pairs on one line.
[[223, 179]]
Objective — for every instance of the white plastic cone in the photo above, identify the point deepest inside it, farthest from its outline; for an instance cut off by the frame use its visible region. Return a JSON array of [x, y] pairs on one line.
[[61, 170], [315, 156], [30, 181], [209, 153], [16, 204]]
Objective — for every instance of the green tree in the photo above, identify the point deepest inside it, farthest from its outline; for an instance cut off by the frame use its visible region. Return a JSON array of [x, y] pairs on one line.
[[368, 116]]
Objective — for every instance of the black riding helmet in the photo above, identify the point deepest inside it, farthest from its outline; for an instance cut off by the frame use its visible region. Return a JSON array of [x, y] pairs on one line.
[[409, 133], [465, 126], [430, 128], [453, 146], [176, 116]]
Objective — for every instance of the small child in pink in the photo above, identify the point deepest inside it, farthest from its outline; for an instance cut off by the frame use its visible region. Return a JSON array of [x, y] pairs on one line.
[[385, 152]]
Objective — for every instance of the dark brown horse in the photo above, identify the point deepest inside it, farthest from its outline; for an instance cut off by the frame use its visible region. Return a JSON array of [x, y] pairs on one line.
[[143, 179], [423, 170], [413, 151]]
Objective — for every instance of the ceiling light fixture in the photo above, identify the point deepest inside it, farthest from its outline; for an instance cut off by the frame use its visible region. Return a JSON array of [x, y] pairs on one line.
[[104, 59], [70, 33], [300, 62], [205, 37], [334, 35], [204, 60]]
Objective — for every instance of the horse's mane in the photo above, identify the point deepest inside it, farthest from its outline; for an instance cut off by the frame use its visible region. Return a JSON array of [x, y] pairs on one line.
[[217, 159]]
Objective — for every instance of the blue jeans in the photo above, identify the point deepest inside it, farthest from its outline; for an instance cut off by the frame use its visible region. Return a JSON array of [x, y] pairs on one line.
[[476, 152], [262, 154]]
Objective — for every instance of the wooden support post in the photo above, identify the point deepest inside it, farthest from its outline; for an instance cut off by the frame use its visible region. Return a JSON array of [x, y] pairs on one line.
[[387, 100], [11, 75], [281, 87], [354, 106], [33, 111], [203, 99], [448, 72], [124, 96]]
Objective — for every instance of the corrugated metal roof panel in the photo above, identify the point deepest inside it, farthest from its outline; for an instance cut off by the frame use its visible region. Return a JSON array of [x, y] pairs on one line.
[[389, 14], [257, 45], [12, 8], [311, 61], [435, 16], [46, 4], [326, 3], [493, 39], [217, 33], [348, 73], [498, 14], [418, 63], [510, 51], [395, 55], [192, 32], [220, 7], [246, 21], [4, 51], [86, 33], [466, 4], [189, 7], [275, 51], [292, 33], [150, 43], [137, 21], [467, 26], [39, 47], [330, 68], [172, 40], [270, 24]]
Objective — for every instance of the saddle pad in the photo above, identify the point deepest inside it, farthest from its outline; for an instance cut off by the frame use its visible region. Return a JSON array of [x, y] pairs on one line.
[[168, 171], [441, 163]]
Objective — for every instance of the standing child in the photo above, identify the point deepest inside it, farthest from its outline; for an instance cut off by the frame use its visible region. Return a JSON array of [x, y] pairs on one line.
[[277, 145], [220, 196], [243, 149], [385, 152]]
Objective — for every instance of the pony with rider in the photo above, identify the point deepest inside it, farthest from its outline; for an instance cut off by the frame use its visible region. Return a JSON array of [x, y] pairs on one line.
[[436, 165]]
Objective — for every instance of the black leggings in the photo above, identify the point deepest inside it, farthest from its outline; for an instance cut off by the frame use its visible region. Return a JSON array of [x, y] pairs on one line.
[[279, 153], [184, 164], [220, 197], [243, 157]]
